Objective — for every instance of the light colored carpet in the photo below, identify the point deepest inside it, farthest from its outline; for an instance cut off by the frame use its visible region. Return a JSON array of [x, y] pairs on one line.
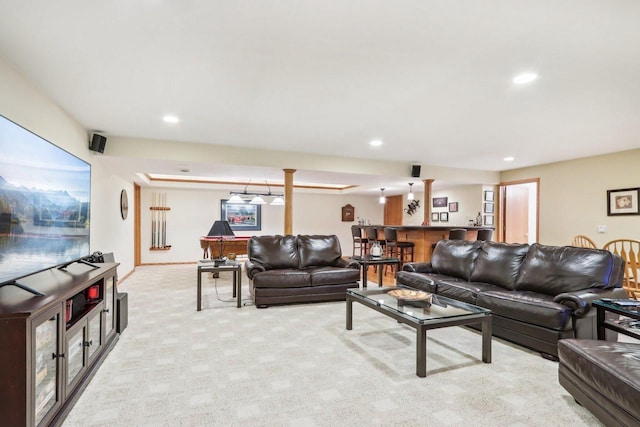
[[296, 365]]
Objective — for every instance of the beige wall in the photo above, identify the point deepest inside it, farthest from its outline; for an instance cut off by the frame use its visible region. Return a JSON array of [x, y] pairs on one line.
[[572, 193], [573, 196], [193, 212], [24, 104]]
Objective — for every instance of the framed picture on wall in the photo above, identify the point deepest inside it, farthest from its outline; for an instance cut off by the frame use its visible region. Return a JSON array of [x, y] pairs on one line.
[[435, 217], [440, 202], [488, 220], [623, 202], [453, 207], [241, 216], [488, 208], [444, 216], [488, 196]]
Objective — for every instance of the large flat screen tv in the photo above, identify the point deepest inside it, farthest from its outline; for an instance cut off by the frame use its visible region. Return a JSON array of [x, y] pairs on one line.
[[44, 204]]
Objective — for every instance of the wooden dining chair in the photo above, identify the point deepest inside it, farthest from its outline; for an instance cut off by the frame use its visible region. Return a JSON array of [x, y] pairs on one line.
[[582, 241], [629, 250]]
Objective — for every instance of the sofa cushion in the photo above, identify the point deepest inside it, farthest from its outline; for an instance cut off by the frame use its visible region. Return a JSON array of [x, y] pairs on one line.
[[462, 290], [529, 307], [455, 257], [552, 270], [318, 250], [282, 278], [333, 275], [274, 252], [499, 263]]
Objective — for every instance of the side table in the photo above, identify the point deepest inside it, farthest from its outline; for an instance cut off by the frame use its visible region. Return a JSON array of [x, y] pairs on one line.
[[210, 267], [609, 306], [367, 260]]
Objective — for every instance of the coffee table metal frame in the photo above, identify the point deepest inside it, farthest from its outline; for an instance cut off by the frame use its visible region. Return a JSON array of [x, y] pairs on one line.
[[367, 260], [210, 267], [480, 315], [603, 321]]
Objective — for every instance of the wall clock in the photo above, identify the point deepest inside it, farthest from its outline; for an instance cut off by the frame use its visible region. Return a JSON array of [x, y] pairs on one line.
[[124, 204], [348, 213]]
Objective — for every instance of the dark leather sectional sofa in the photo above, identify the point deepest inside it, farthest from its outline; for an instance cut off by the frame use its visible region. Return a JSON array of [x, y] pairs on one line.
[[538, 294], [303, 268]]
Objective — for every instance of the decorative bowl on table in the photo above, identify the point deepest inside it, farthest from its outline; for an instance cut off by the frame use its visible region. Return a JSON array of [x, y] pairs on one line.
[[411, 295]]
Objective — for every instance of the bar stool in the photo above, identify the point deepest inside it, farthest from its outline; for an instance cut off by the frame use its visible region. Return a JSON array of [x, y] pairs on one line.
[[485, 234], [372, 237], [398, 248], [454, 234], [359, 242], [458, 234]]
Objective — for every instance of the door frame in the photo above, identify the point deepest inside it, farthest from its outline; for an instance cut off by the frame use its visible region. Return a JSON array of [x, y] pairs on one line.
[[501, 220]]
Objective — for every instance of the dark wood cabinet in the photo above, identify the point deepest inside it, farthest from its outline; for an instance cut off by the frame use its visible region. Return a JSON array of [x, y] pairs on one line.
[[48, 348]]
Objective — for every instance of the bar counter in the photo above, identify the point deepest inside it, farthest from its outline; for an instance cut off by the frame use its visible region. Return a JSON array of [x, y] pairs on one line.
[[425, 236]]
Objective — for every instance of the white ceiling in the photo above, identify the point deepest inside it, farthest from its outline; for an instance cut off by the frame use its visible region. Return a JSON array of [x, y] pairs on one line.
[[431, 78]]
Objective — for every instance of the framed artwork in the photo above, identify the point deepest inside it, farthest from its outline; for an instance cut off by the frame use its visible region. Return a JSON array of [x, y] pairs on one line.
[[444, 216], [440, 202], [623, 201], [435, 217], [488, 196], [488, 220], [453, 207], [241, 216], [488, 208], [348, 213]]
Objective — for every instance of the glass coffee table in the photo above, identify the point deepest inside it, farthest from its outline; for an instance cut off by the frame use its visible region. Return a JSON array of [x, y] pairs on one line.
[[422, 316]]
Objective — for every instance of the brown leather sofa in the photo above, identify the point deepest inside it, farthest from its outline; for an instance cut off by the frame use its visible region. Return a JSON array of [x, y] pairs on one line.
[[303, 268], [538, 294], [604, 377]]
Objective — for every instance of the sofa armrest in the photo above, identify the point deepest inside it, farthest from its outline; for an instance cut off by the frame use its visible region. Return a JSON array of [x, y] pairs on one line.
[[418, 267], [580, 301], [253, 267], [347, 263]]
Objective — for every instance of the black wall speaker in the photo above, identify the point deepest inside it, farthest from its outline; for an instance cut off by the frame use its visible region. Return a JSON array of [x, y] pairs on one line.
[[415, 171], [97, 143]]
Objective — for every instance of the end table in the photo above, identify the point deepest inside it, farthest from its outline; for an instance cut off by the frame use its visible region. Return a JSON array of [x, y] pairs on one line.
[[210, 267]]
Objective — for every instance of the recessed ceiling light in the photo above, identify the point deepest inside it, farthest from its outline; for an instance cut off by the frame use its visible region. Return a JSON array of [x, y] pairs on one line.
[[509, 159], [375, 143], [170, 119], [524, 78]]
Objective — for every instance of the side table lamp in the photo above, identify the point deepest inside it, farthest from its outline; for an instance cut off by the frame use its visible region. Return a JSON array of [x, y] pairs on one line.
[[222, 230]]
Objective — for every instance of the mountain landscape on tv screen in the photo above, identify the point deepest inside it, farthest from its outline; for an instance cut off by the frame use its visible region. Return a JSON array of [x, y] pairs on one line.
[[41, 212]]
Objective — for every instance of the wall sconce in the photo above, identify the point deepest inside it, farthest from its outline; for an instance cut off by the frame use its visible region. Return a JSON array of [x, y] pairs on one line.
[[410, 196], [382, 199]]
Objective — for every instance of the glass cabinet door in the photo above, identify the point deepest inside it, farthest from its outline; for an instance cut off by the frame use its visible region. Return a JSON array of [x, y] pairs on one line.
[[109, 306], [95, 333], [75, 352], [46, 365]]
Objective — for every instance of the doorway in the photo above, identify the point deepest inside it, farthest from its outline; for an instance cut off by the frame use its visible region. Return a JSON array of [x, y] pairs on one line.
[[520, 211], [393, 210]]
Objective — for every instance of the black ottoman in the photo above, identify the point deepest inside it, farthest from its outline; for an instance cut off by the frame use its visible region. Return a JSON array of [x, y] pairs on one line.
[[604, 377]]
